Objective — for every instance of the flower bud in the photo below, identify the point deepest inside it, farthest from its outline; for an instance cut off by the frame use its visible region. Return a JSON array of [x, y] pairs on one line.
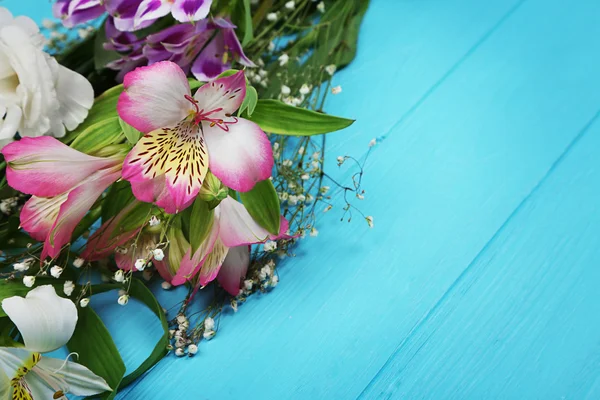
[[212, 190]]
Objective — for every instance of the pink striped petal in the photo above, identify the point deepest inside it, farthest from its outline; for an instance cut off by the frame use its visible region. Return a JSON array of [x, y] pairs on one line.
[[236, 226], [45, 167], [39, 214], [224, 94], [154, 97], [78, 203], [212, 263], [190, 10], [234, 268], [191, 264], [240, 157]]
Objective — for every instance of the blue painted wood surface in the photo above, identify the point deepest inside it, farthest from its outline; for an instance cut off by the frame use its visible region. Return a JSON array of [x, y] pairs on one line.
[[480, 277]]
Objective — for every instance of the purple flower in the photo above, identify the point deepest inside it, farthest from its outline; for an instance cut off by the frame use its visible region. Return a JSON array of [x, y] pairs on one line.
[[73, 12]]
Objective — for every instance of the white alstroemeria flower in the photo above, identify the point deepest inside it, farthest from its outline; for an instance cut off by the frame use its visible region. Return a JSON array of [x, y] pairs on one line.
[[46, 322], [37, 95]]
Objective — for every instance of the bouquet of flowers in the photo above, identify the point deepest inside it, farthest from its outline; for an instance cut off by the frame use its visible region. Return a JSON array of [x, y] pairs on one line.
[[180, 141]]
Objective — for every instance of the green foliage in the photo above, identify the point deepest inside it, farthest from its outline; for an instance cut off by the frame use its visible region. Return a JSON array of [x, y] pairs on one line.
[[98, 136], [250, 101], [200, 223], [131, 134], [276, 117], [263, 205]]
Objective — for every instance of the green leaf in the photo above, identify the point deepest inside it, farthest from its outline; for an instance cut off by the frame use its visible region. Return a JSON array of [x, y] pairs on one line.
[[99, 136], [242, 16], [178, 245], [141, 292], [102, 56], [96, 349], [249, 103], [276, 117], [136, 217], [132, 134], [200, 223], [262, 203], [118, 197]]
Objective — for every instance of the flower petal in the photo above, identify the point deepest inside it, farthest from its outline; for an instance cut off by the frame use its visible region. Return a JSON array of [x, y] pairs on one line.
[[154, 191], [212, 263], [75, 95], [236, 226], [241, 156], [39, 214], [234, 269], [226, 94], [78, 203], [45, 320], [154, 97], [10, 124], [11, 360], [179, 154], [151, 10], [79, 379], [190, 10], [45, 167], [209, 64]]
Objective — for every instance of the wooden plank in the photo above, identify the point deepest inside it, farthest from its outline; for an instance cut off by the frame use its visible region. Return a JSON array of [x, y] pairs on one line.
[[445, 179], [520, 323]]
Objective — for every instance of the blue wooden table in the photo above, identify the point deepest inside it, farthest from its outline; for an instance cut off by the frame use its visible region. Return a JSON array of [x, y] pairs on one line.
[[481, 277]]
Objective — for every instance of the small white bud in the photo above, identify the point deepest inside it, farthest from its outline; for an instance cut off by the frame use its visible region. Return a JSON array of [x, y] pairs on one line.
[[301, 150], [84, 302], [78, 262], [158, 254], [324, 189], [264, 272], [370, 221], [360, 196], [292, 200], [119, 276], [274, 280], [336, 89], [321, 7], [314, 232], [154, 221], [68, 288], [316, 156], [179, 352], [123, 300], [209, 324], [248, 283], [271, 46], [285, 90], [287, 163], [373, 142], [329, 207], [140, 264], [330, 69], [181, 319], [209, 335], [304, 89], [21, 267], [283, 59], [166, 285], [305, 177], [290, 5], [56, 271], [28, 280], [272, 17], [192, 349], [341, 160]]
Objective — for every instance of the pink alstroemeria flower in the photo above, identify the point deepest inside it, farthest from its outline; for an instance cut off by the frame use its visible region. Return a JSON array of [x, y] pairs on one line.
[[64, 183], [186, 135], [225, 252]]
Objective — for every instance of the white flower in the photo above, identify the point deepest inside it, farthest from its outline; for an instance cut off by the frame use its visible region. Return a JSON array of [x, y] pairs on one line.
[[341, 160], [56, 271], [283, 59], [305, 177], [324, 189], [369, 221], [208, 335], [272, 17], [285, 90], [37, 95], [123, 300], [166, 285], [78, 263], [360, 196], [158, 254], [290, 5], [373, 142], [68, 288], [140, 264], [46, 322], [287, 163], [154, 221], [321, 7], [264, 272], [271, 46], [326, 209], [330, 69], [22, 266], [84, 302], [293, 200], [209, 324], [336, 89], [301, 150], [274, 280], [119, 276], [314, 232], [192, 349], [29, 280], [248, 283], [179, 352], [316, 155]]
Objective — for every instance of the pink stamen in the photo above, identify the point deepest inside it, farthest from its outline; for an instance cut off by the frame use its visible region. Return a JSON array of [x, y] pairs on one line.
[[205, 116]]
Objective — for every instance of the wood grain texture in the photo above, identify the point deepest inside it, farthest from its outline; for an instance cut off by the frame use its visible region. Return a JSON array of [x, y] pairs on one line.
[[480, 270]]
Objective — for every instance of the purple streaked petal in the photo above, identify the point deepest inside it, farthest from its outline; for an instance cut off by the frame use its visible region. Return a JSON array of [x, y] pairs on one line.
[[151, 10], [235, 48], [190, 10], [210, 62]]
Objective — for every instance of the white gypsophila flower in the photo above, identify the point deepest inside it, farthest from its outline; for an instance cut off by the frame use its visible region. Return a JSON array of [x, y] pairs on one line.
[[154, 221], [274, 280], [285, 90], [209, 324], [158, 254], [321, 7], [283, 59], [248, 283], [369, 221], [78, 263], [123, 300], [336, 89], [341, 160], [292, 200], [68, 288], [271, 46], [84, 302], [166, 285], [287, 163], [328, 208], [140, 264], [192, 349], [272, 17], [330, 69], [119, 276], [360, 196], [209, 334], [373, 142], [37, 95], [290, 5], [21, 267], [314, 232], [56, 271], [270, 245], [301, 150], [305, 177], [29, 280], [324, 189]]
